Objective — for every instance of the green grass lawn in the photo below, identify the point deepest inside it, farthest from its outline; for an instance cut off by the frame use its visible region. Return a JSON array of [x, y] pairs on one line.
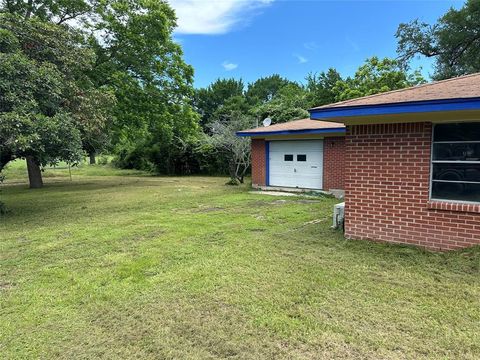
[[132, 266]]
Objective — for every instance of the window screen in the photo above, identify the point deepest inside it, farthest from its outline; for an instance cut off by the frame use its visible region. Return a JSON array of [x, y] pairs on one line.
[[456, 162]]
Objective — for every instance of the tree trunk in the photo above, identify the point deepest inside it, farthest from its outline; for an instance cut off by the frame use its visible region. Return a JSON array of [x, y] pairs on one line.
[[34, 173], [92, 158], [232, 170]]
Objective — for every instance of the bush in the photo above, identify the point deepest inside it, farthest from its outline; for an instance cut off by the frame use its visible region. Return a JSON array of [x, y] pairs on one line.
[[133, 158], [210, 160], [233, 182], [103, 160], [195, 155]]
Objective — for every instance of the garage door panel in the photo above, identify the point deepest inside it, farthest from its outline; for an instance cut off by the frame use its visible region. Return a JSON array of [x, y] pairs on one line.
[[299, 145], [296, 173]]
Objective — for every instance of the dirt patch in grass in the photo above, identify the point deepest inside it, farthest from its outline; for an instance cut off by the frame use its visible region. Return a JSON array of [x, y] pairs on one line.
[[257, 230], [208, 209], [283, 202], [307, 201], [4, 286], [143, 236]]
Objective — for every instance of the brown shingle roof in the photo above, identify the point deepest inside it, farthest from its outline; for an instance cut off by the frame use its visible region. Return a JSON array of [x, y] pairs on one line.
[[467, 86], [296, 125]]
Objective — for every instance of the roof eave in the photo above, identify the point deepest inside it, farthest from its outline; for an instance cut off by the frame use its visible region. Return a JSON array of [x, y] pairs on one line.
[[291, 132], [458, 104]]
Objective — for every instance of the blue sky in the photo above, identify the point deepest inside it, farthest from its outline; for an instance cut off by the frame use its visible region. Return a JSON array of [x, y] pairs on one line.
[[249, 39]]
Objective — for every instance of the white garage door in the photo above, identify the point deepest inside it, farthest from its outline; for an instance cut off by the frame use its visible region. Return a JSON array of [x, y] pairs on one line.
[[296, 163]]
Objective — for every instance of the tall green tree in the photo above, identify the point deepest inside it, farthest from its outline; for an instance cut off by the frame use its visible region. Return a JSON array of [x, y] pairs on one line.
[[54, 11], [290, 103], [136, 57], [43, 94], [209, 99], [83, 14], [376, 76], [233, 104], [453, 41], [264, 89], [320, 87]]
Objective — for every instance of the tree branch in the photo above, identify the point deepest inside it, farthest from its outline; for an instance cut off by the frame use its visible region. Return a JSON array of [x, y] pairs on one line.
[[66, 16], [29, 9], [462, 51]]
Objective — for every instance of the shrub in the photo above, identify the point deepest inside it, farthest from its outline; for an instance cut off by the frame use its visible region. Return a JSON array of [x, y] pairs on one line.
[[233, 182], [133, 158], [103, 160], [195, 155]]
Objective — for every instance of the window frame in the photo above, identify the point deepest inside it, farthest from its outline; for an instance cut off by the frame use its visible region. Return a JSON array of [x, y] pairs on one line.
[[302, 155], [432, 162], [285, 157]]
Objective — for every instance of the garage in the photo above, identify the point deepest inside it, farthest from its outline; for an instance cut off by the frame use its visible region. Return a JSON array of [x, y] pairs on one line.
[[303, 154], [296, 163]]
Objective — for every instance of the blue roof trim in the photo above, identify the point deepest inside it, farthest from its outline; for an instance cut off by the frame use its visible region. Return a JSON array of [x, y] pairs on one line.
[[292, 132], [400, 108]]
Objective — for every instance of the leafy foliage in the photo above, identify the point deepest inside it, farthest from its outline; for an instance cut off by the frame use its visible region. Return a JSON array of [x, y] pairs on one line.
[[208, 100], [454, 41], [233, 104], [44, 93], [376, 76], [131, 53], [54, 11], [137, 57], [320, 87], [289, 103], [265, 89]]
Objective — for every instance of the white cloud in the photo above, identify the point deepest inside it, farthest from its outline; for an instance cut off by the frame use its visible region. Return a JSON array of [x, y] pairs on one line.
[[301, 59], [311, 45], [228, 66], [213, 16]]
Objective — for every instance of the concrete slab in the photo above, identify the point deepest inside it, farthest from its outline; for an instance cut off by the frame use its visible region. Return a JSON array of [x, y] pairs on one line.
[[339, 194], [274, 193]]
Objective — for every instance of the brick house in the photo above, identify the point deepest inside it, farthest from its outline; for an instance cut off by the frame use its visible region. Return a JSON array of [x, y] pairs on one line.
[[303, 154], [412, 164]]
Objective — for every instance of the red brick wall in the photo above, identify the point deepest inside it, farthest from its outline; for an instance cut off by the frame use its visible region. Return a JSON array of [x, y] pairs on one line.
[[387, 190], [258, 162], [334, 163]]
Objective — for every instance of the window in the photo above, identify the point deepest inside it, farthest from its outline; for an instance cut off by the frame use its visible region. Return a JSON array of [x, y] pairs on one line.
[[288, 157], [456, 162], [302, 157]]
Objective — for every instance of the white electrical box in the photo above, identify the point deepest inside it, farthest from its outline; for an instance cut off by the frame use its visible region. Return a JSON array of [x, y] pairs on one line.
[[338, 215]]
